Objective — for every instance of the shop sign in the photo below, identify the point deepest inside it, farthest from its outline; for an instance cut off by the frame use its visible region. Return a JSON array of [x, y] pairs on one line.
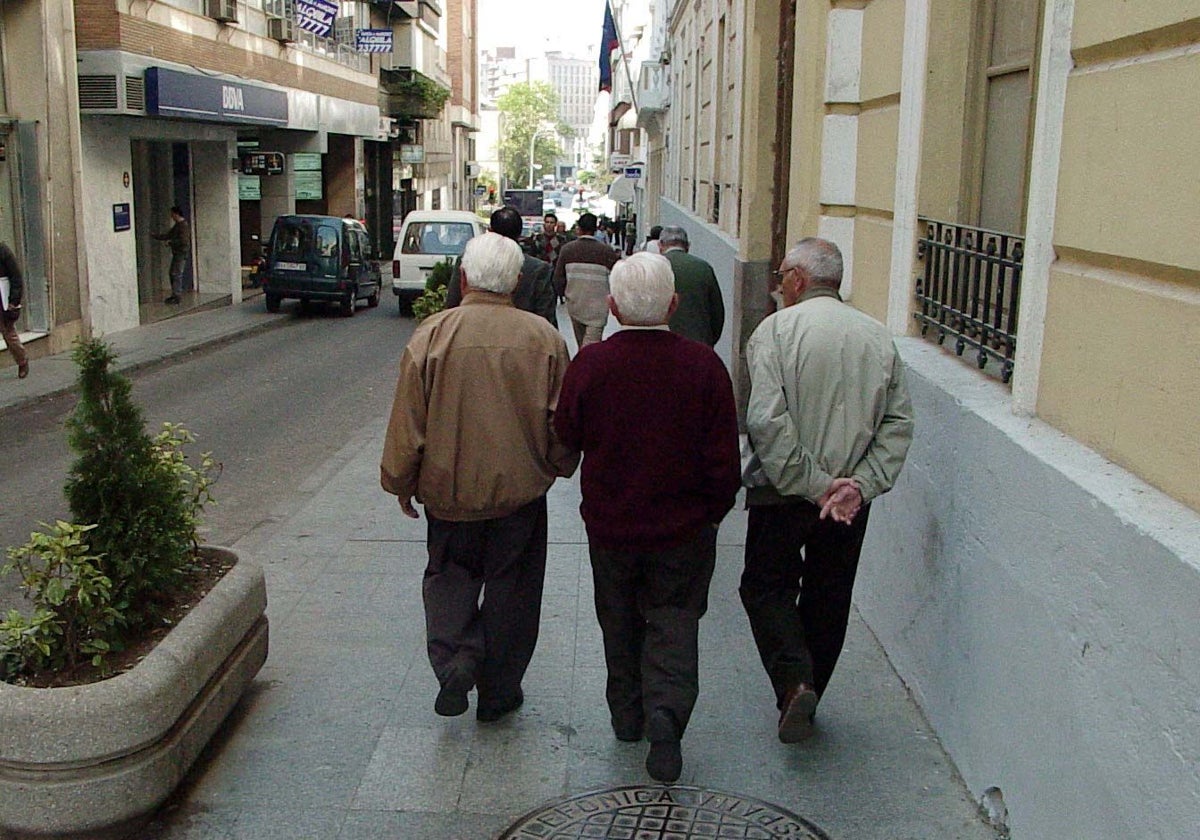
[[249, 188], [633, 173], [262, 163], [121, 218], [373, 40], [412, 154], [316, 16], [308, 185], [617, 162], [306, 162], [171, 93]]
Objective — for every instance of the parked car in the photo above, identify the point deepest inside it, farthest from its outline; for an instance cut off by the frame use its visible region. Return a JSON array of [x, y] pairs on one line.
[[427, 238], [322, 258]]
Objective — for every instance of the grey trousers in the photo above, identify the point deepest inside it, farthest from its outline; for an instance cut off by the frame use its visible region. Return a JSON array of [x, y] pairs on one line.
[[649, 606], [175, 272], [489, 642]]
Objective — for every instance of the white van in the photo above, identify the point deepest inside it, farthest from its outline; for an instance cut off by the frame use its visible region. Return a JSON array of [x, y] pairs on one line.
[[427, 238]]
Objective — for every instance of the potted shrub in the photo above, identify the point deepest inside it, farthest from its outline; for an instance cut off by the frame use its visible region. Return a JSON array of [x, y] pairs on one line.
[[140, 641]]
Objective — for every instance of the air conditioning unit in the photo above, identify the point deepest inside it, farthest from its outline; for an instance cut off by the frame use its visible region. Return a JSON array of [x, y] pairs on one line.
[[282, 29], [473, 169], [222, 10]]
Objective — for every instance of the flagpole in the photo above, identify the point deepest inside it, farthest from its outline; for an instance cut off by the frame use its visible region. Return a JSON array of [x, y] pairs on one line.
[[624, 60]]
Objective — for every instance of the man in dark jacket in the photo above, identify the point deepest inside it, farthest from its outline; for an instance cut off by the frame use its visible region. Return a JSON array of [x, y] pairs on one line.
[[11, 311], [654, 492], [581, 275], [179, 240], [701, 312], [534, 292]]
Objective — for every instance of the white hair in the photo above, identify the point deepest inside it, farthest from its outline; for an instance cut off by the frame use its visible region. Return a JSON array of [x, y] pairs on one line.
[[492, 263], [820, 258], [642, 286]]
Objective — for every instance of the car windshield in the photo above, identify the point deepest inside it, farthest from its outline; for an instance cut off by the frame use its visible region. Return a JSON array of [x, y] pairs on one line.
[[437, 238]]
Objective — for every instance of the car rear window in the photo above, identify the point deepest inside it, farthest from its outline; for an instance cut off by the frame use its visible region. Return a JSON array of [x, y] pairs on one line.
[[293, 240], [437, 237]]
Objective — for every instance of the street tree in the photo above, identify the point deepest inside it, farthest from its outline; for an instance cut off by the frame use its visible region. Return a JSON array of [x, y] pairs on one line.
[[529, 114]]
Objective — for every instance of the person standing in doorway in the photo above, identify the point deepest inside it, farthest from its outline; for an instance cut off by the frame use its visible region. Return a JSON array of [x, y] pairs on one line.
[[179, 240], [10, 271]]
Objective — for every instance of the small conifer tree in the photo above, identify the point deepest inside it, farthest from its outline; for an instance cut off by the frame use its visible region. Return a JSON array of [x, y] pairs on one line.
[[144, 514]]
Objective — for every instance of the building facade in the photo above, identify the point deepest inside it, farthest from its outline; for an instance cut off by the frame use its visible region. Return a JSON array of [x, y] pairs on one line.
[[1008, 181], [40, 158]]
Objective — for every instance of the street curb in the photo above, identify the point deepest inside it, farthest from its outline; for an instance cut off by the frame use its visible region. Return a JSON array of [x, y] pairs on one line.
[[23, 401]]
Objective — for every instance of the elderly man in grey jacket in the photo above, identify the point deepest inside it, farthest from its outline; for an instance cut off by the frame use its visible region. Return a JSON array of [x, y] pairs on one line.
[[830, 422]]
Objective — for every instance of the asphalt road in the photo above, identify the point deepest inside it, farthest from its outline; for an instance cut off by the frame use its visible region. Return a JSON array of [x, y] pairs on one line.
[[272, 407]]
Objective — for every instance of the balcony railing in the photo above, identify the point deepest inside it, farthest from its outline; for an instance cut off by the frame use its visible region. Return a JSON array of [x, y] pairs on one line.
[[968, 287]]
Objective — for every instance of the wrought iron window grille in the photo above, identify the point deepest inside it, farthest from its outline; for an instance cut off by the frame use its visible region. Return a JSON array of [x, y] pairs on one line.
[[968, 286]]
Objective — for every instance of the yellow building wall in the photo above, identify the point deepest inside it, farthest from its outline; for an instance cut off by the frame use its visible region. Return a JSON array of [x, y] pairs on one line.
[[872, 264], [875, 185], [945, 132], [883, 49], [1100, 21], [1122, 328], [808, 111], [1136, 124], [1120, 373]]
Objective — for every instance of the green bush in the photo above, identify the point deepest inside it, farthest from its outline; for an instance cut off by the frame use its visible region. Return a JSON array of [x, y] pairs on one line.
[[142, 499], [142, 495], [73, 615], [433, 299]]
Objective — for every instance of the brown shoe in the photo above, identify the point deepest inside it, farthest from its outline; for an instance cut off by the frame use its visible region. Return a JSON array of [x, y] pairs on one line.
[[22, 370], [796, 717]]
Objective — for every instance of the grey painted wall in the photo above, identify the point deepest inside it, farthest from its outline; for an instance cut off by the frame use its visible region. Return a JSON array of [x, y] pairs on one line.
[[1042, 604]]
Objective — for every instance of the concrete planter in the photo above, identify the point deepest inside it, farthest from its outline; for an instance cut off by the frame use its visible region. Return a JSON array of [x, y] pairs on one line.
[[95, 760]]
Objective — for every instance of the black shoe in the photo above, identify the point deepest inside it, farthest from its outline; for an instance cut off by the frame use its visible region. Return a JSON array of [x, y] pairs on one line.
[[487, 713], [452, 699], [796, 716], [664, 762], [172, 299]]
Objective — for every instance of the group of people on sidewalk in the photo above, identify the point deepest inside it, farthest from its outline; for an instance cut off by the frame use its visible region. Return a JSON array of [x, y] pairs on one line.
[[490, 409]]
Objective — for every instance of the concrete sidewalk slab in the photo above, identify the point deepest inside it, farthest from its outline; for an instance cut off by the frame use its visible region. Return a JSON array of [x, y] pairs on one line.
[[338, 738]]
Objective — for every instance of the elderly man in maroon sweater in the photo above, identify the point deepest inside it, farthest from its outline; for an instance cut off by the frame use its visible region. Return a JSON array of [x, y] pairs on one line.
[[653, 414]]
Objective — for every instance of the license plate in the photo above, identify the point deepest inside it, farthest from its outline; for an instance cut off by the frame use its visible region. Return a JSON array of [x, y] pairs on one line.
[[291, 266]]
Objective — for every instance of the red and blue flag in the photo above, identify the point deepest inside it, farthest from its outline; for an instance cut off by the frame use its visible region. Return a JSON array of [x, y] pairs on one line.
[[608, 42]]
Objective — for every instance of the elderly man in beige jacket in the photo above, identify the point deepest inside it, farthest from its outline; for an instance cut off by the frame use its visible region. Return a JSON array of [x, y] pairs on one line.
[[471, 438]]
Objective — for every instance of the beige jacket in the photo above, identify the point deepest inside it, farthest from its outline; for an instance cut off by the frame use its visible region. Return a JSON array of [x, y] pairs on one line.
[[471, 429]]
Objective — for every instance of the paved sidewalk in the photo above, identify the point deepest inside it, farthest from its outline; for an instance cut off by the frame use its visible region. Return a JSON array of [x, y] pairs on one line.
[[337, 737]]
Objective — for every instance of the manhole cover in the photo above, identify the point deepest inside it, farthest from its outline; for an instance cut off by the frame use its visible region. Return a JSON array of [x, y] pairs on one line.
[[661, 813]]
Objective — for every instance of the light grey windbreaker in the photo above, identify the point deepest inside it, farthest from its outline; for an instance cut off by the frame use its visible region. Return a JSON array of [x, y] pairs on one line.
[[828, 399]]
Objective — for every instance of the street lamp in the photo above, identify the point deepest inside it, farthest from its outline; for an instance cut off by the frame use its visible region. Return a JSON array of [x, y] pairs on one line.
[[533, 139]]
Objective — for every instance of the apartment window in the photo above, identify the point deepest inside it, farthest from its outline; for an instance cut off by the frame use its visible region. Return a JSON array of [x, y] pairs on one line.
[[1007, 43]]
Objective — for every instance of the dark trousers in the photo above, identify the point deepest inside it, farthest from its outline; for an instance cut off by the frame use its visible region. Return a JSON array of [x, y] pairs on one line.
[[490, 642], [796, 589], [649, 605]]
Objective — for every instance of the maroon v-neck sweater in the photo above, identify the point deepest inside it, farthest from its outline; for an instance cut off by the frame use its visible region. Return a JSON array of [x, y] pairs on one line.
[[653, 414]]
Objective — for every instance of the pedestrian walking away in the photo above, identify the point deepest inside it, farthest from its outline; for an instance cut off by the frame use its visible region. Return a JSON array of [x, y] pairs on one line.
[[651, 245], [535, 290], [581, 275], [700, 315], [829, 422], [179, 240], [470, 437], [653, 496], [12, 287]]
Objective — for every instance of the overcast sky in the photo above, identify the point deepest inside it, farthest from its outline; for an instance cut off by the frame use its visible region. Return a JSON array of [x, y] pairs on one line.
[[536, 26]]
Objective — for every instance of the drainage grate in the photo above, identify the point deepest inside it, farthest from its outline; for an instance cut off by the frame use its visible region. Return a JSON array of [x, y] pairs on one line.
[[661, 813]]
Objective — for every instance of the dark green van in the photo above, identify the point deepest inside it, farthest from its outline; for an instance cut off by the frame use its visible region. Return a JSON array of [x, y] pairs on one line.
[[324, 258]]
